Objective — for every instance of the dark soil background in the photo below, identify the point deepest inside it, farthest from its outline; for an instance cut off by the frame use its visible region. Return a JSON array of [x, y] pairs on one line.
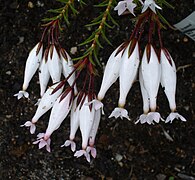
[[125, 150]]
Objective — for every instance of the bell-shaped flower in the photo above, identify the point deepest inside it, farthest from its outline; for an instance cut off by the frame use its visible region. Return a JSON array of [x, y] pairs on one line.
[[128, 71], [150, 4], [32, 64], [54, 64], [168, 82], [74, 124], [68, 68], [111, 72], [119, 112], [123, 5], [43, 76], [46, 103]]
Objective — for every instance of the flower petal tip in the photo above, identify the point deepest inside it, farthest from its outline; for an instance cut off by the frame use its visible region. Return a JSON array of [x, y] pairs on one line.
[[119, 112], [173, 116], [31, 125], [21, 94], [70, 143]]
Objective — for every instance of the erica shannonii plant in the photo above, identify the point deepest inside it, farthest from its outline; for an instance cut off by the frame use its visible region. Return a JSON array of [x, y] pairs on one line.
[[75, 92]]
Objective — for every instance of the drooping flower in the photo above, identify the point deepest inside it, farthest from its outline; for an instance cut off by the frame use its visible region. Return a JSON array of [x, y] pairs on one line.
[[86, 119], [54, 64], [128, 71], [150, 4], [43, 76], [111, 72], [125, 5], [74, 125], [150, 79], [68, 68], [32, 64], [59, 112], [46, 103], [168, 82]]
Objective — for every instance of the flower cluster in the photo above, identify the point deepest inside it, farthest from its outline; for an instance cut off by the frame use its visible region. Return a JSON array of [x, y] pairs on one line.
[[50, 60], [126, 62]]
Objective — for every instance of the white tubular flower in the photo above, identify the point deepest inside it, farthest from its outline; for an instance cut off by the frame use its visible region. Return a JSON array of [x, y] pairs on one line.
[[168, 77], [86, 119], [150, 4], [54, 65], [32, 64], [119, 112], [142, 119], [111, 73], [59, 112], [43, 76], [144, 93], [47, 102], [94, 128], [173, 116], [128, 71], [74, 124], [151, 72], [67, 68], [168, 81], [123, 5]]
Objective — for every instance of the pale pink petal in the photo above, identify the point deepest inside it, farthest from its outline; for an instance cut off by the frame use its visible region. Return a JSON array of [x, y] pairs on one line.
[[73, 146], [32, 128], [92, 150], [36, 142], [42, 143], [40, 135], [87, 155], [26, 124], [66, 144], [79, 153]]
